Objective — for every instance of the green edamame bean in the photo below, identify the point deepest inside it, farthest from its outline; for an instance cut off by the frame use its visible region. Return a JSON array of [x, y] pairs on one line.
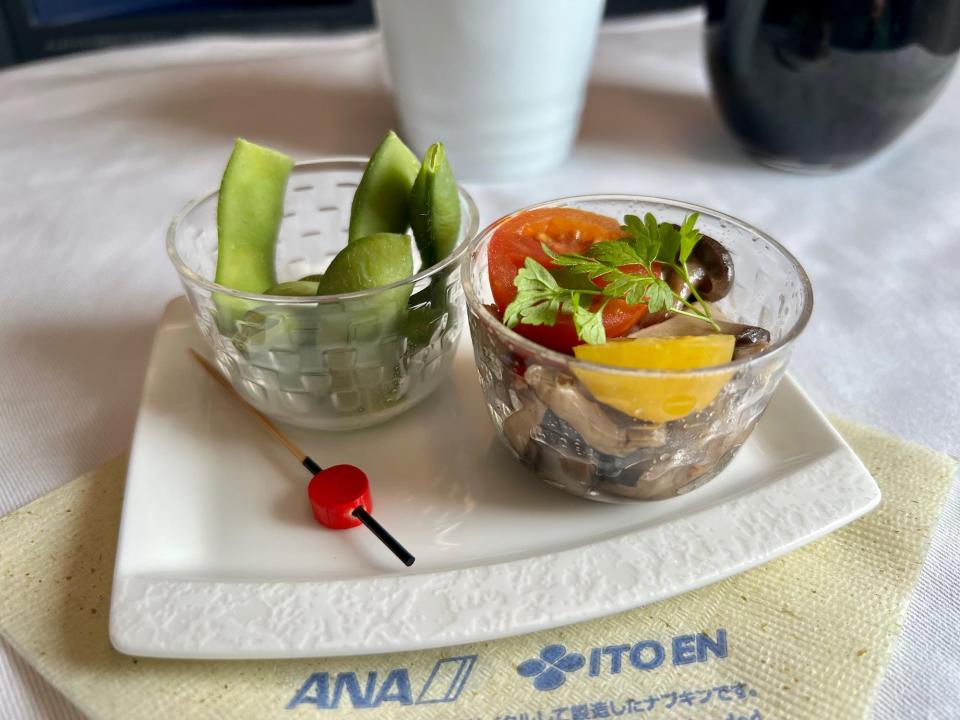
[[435, 207], [381, 202]]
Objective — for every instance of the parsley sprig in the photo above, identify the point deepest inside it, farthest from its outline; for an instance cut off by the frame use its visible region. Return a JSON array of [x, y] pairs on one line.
[[541, 297]]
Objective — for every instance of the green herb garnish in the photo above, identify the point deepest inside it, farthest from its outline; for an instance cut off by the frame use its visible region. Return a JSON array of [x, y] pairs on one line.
[[541, 297]]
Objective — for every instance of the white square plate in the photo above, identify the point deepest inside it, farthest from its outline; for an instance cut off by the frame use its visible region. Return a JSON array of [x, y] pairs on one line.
[[220, 557]]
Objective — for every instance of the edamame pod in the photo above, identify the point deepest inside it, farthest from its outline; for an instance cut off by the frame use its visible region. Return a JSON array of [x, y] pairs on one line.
[[381, 202], [249, 211], [369, 262], [365, 264], [294, 288], [435, 207]]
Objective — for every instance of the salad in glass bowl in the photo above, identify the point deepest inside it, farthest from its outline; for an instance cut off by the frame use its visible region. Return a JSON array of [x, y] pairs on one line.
[[627, 345]]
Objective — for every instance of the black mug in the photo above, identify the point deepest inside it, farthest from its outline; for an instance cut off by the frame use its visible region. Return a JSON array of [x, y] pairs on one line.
[[821, 84]]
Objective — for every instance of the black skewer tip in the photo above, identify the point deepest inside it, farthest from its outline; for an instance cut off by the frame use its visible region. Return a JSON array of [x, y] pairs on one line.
[[385, 537]]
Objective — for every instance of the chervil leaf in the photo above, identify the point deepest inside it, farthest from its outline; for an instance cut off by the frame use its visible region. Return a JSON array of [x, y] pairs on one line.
[[669, 243], [537, 291], [571, 279], [589, 325], [534, 276], [615, 252], [632, 224], [540, 298], [689, 223], [570, 303], [579, 264], [659, 296], [643, 244], [638, 291], [511, 316], [689, 236], [544, 313], [653, 229], [619, 284]]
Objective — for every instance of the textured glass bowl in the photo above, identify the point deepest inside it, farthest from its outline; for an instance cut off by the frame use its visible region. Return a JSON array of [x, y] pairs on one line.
[[552, 422], [334, 362]]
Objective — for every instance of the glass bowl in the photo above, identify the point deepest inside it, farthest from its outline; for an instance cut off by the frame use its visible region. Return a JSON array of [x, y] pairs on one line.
[[335, 362], [557, 415]]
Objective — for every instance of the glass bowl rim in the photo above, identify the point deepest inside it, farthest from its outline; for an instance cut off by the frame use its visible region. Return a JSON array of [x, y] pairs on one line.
[[535, 349], [349, 162]]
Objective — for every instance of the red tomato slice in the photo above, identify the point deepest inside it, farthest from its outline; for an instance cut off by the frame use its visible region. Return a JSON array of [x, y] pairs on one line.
[[563, 230]]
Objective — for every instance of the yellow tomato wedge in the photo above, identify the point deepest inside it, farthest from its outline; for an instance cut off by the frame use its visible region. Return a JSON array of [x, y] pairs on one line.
[[657, 399]]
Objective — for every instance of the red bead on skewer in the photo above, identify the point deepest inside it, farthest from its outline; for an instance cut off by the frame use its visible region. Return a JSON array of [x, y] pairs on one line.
[[340, 496], [335, 493]]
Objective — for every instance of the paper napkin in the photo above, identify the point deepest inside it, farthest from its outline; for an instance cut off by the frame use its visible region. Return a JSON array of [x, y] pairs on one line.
[[805, 636]]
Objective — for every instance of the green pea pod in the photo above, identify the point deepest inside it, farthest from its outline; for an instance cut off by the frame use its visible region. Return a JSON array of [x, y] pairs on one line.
[[249, 211], [381, 202], [435, 207]]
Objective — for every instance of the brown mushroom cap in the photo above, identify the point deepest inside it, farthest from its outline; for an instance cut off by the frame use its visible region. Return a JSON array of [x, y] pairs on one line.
[[717, 265], [749, 339]]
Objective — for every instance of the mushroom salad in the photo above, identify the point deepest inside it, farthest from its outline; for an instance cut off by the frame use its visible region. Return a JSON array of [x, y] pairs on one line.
[[642, 414]]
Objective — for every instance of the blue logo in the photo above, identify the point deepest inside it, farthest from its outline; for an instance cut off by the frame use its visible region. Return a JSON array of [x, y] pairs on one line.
[[330, 691], [549, 671]]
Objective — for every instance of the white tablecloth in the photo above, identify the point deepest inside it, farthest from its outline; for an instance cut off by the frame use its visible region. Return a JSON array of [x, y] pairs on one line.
[[98, 152]]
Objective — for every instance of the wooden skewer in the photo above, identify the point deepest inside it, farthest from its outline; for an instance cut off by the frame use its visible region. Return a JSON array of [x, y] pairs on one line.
[[299, 454]]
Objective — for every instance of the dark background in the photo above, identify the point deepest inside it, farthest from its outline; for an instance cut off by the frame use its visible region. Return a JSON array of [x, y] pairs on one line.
[[34, 29]]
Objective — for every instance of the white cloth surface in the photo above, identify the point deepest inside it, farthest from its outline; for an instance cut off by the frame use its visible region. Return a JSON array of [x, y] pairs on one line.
[[98, 152]]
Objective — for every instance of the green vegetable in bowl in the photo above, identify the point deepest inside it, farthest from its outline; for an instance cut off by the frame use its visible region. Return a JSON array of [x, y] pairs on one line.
[[249, 210], [369, 262], [435, 219], [365, 264], [435, 207], [294, 288], [394, 192], [381, 203]]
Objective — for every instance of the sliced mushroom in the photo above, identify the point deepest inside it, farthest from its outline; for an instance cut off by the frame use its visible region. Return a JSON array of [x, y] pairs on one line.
[[750, 339], [561, 394], [639, 483], [646, 436], [518, 426], [574, 474], [717, 264]]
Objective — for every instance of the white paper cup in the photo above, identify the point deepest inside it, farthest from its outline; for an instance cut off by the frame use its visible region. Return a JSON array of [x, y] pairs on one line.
[[500, 82]]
